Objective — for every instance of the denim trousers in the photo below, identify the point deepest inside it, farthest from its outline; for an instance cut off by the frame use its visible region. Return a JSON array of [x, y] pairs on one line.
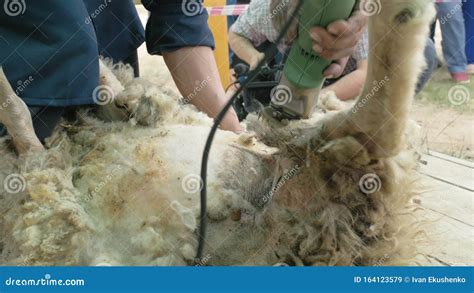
[[450, 16]]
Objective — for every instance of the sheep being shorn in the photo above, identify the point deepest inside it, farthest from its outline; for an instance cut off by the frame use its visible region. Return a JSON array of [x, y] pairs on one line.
[[331, 190]]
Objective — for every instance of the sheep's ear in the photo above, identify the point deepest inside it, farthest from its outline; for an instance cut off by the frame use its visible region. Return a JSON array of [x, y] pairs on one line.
[[248, 142]]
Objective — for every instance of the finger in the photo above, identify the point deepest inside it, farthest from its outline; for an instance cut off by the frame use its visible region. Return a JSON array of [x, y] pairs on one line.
[[336, 69], [333, 71], [354, 25], [336, 54], [328, 41], [321, 36]]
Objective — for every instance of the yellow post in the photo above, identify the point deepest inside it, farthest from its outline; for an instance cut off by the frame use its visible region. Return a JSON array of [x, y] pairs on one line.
[[218, 25]]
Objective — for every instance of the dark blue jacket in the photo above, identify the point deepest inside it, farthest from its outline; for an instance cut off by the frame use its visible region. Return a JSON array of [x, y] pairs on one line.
[[49, 48], [49, 52], [117, 26], [174, 24]]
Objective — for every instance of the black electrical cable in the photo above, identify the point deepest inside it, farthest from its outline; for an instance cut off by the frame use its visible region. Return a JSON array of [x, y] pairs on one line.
[[230, 85], [217, 121]]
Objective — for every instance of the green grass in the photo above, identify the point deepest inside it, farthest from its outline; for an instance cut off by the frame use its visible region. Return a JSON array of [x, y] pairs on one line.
[[437, 92]]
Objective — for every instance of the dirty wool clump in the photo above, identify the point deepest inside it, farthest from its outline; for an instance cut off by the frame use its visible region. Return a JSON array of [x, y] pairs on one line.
[[104, 193]]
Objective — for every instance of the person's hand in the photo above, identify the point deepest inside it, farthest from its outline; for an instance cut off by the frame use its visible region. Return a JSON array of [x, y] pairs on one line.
[[256, 60], [340, 38], [336, 69]]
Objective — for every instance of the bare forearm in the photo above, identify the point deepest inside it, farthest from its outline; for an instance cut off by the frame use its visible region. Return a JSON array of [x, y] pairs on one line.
[[244, 49], [195, 73], [350, 86]]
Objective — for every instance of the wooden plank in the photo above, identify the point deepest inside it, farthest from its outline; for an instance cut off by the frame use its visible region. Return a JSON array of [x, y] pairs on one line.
[[446, 199], [448, 217], [451, 159], [448, 172], [447, 242]]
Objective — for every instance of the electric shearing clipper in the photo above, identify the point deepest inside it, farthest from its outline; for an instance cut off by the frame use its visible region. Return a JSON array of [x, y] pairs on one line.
[[303, 72]]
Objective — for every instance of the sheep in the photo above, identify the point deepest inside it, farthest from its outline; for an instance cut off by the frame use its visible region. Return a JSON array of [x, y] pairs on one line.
[[334, 189]]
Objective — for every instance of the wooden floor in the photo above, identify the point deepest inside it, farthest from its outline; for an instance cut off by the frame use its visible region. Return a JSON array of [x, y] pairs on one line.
[[448, 203]]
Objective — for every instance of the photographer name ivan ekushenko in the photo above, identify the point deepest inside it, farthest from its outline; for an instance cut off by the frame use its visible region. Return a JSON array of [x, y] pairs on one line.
[[417, 280], [432, 279]]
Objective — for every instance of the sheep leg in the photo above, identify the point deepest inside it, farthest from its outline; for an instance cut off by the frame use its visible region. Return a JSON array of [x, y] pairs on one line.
[[16, 117], [397, 39]]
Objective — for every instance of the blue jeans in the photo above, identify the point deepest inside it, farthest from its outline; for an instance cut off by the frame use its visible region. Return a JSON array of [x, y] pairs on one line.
[[468, 9], [451, 19]]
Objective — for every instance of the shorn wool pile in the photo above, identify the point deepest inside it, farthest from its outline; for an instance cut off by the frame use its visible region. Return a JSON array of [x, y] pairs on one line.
[[120, 185]]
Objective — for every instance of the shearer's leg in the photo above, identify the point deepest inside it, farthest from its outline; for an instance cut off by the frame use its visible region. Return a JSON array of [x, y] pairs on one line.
[[45, 119], [452, 28]]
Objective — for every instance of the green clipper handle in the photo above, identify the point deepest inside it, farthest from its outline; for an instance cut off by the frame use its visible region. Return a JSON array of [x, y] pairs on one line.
[[304, 67]]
